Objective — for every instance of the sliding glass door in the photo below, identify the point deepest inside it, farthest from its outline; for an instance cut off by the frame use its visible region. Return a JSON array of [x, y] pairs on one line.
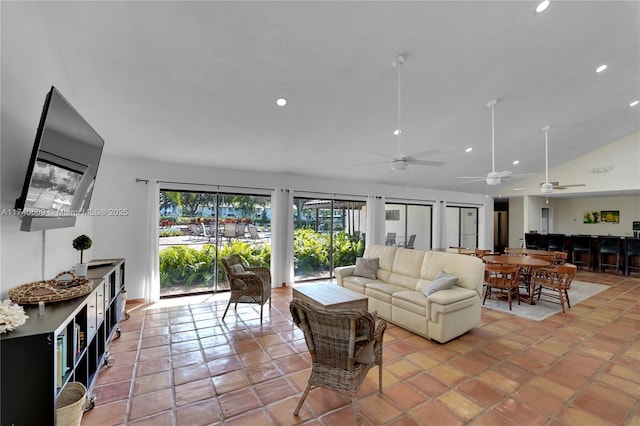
[[327, 233], [197, 229], [408, 225], [462, 227]]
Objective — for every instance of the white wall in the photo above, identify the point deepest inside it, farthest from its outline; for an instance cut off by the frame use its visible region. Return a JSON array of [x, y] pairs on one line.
[[571, 212], [26, 79]]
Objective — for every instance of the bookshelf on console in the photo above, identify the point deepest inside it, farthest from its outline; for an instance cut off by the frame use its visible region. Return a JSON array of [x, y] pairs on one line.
[[69, 343]]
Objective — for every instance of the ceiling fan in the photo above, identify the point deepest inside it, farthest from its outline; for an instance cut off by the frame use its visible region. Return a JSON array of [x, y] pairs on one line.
[[493, 177], [548, 187], [400, 161]]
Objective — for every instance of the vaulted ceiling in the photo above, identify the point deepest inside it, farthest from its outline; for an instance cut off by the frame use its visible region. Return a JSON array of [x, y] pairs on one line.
[[197, 82]]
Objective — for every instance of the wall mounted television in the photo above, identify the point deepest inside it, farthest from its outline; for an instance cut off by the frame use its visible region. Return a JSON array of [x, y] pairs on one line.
[[62, 168]]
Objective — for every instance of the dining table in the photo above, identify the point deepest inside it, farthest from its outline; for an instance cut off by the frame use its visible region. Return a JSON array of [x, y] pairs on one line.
[[525, 251], [528, 264]]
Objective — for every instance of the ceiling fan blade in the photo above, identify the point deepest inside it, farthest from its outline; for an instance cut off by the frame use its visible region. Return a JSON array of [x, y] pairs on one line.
[[423, 154], [568, 186], [370, 163], [473, 180], [503, 174], [425, 162], [384, 155]]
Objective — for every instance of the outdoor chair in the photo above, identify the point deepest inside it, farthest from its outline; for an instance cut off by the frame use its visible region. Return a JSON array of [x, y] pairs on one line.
[[552, 284], [240, 230], [249, 284], [501, 281], [390, 240], [411, 242], [344, 345], [195, 231], [229, 231], [631, 252], [253, 233]]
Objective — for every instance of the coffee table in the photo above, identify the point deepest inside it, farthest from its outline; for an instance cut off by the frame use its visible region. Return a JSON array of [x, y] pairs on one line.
[[331, 296]]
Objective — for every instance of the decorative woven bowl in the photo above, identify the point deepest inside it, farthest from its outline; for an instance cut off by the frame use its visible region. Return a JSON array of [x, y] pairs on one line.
[[51, 290]]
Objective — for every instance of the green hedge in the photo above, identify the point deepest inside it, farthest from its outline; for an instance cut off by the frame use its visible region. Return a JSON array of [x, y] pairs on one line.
[[184, 265]]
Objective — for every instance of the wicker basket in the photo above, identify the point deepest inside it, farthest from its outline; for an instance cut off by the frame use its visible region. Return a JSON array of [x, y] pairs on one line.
[[51, 290], [70, 404]]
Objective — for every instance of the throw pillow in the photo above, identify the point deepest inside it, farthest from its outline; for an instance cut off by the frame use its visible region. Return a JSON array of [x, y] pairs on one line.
[[366, 267], [443, 281], [237, 269]]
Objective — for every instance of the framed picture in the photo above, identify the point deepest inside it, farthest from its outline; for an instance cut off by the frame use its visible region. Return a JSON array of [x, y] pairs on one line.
[[610, 216], [591, 217], [392, 214]]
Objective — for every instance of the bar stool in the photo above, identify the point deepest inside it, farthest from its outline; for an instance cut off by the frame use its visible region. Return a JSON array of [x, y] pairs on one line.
[[555, 242], [581, 247], [532, 241], [631, 251], [609, 246]]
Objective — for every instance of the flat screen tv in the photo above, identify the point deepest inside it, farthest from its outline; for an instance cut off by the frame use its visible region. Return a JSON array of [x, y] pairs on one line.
[[62, 168]]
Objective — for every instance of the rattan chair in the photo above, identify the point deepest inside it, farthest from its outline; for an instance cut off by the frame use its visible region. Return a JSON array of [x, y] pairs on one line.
[[501, 281], [344, 345], [553, 284], [249, 284]]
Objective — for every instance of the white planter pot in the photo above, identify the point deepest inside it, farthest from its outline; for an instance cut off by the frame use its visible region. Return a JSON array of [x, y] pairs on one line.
[[81, 269]]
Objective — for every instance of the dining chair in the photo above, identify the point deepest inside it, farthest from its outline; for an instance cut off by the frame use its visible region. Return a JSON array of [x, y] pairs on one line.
[[631, 253], [249, 284], [553, 284], [501, 281], [560, 258], [344, 345]]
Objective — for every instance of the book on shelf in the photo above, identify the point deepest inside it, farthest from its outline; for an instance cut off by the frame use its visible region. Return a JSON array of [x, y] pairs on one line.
[[62, 365]]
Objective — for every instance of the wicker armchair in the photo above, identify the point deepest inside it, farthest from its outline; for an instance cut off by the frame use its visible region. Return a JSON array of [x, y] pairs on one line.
[[344, 345], [249, 284]]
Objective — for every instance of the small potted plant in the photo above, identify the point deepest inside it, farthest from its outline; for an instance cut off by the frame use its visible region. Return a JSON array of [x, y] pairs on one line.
[[82, 243]]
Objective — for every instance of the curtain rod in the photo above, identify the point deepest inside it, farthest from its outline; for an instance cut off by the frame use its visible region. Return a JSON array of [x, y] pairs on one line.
[[146, 181]]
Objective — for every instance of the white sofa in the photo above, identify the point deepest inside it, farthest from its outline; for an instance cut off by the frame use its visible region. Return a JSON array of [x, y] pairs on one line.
[[397, 295]]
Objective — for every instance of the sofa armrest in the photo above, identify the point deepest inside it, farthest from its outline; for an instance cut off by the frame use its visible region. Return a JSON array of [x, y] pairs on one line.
[[343, 271], [449, 299]]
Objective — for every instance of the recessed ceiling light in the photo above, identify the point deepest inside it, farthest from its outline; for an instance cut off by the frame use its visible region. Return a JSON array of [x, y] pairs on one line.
[[601, 68], [281, 101], [397, 132], [516, 162], [634, 103], [542, 6], [468, 150]]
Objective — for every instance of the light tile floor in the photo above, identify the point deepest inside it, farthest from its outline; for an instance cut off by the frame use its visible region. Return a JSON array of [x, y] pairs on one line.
[[177, 363]]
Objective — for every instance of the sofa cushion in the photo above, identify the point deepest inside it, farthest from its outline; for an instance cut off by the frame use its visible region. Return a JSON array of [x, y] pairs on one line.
[[357, 284], [443, 281], [382, 291], [412, 301], [366, 267], [386, 255], [237, 269]]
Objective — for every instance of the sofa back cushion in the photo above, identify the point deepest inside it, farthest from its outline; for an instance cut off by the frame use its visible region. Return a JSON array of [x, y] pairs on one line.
[[406, 268], [468, 269], [385, 255]]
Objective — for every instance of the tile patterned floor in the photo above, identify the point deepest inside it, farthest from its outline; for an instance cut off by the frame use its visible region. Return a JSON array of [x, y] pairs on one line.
[[176, 363]]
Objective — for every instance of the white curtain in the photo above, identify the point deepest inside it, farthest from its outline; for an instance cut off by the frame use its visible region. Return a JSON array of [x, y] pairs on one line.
[[152, 284], [375, 220], [281, 237]]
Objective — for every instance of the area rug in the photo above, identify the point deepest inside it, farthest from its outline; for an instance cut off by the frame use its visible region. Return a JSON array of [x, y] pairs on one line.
[[578, 292]]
